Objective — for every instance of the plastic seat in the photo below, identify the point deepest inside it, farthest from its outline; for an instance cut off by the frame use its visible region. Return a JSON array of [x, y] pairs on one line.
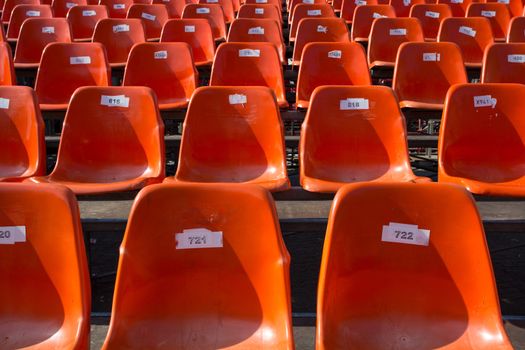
[[387, 34], [83, 20], [242, 283], [353, 134], [277, 3], [196, 33], [430, 17], [364, 16], [214, 15], [258, 30], [260, 11], [227, 8], [330, 64], [516, 33], [294, 3], [9, 5], [45, 292], [22, 12], [22, 133], [318, 30], [7, 71], [233, 134], [402, 7], [118, 37], [120, 147], [425, 71], [472, 34], [153, 17], [348, 8], [35, 34], [458, 7], [62, 7], [515, 7], [503, 63], [171, 73], [249, 64], [384, 241], [308, 11], [498, 15], [117, 8], [174, 7]]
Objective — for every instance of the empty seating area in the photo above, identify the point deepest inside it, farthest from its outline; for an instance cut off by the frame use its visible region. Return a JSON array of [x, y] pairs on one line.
[[262, 174]]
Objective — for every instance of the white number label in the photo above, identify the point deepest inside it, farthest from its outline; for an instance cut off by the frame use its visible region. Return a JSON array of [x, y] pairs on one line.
[[467, 31], [322, 29], [431, 57], [33, 13], [114, 101], [405, 233], [313, 12], [259, 11], [198, 238], [406, 2], [202, 10], [456, 1], [488, 13], [48, 30], [70, 4], [148, 16], [256, 30], [89, 13], [261, 1], [80, 60], [485, 101], [189, 29], [309, 2], [119, 6], [504, 2], [516, 58], [4, 103], [335, 54], [360, 2], [212, 1], [160, 55], [12, 234], [432, 14], [249, 53], [398, 31], [237, 99], [121, 28], [377, 15], [353, 103]]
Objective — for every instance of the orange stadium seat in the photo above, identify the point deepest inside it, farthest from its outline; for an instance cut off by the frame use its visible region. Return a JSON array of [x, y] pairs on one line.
[[249, 64], [213, 13], [227, 8], [384, 241], [504, 63], [516, 32], [308, 11], [430, 17], [174, 7], [167, 68], [153, 17], [94, 158], [330, 64], [472, 34], [498, 15], [233, 134], [83, 20], [7, 71], [22, 133], [35, 34], [118, 37], [276, 3], [364, 16], [260, 11], [425, 71], [117, 8], [237, 270], [46, 298], [348, 8], [318, 30], [403, 7], [67, 66], [353, 134], [61, 7], [387, 34], [22, 12], [258, 30], [458, 7], [294, 3], [197, 33], [9, 5], [515, 7]]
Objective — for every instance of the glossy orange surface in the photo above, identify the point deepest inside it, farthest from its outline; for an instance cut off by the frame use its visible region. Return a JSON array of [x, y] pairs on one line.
[[21, 135], [364, 16], [61, 7], [481, 148], [516, 33], [213, 13], [7, 71], [498, 15], [110, 148], [308, 11], [234, 296], [9, 5], [227, 141], [153, 17], [348, 8], [45, 294], [294, 3], [20, 14], [500, 64], [227, 8], [174, 7], [426, 14], [376, 294], [83, 20], [330, 64], [458, 8], [117, 8], [515, 7], [403, 7], [268, 11]]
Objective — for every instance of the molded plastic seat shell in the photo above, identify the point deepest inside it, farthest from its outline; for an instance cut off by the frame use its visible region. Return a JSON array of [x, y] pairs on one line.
[[22, 12], [458, 8], [9, 5], [62, 7], [430, 17], [403, 7], [213, 13], [503, 63], [348, 8], [498, 15], [308, 11], [153, 17], [364, 16], [174, 7], [268, 11], [117, 8], [83, 20], [227, 8], [7, 70]]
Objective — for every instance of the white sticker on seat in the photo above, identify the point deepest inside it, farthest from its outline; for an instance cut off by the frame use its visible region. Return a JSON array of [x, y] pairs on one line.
[[377, 15], [212, 1], [4, 103], [202, 10], [148, 16], [432, 14], [405, 233], [119, 6], [485, 101], [504, 2], [189, 29], [467, 31], [48, 30], [398, 31], [516, 58], [431, 57], [196, 238], [259, 11], [406, 2], [237, 99], [335, 54], [353, 103], [249, 53], [89, 13], [80, 60], [309, 2], [360, 2], [114, 101], [261, 1], [121, 28], [256, 30], [313, 12], [32, 13], [70, 5], [322, 29], [12, 234], [488, 13], [456, 1], [160, 55]]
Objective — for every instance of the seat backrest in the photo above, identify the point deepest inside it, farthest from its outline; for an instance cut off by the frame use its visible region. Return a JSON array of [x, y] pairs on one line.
[[36, 33], [516, 32], [294, 3], [330, 64], [402, 7], [67, 66], [318, 30], [232, 134], [44, 274], [384, 242], [425, 71], [22, 12], [227, 8], [268, 11], [9, 5], [515, 7], [471, 34], [258, 30], [7, 70], [430, 17], [277, 3], [387, 34], [305, 11], [240, 274], [62, 7], [174, 7], [481, 133], [153, 17], [117, 8], [213, 13], [364, 16], [118, 36], [22, 133], [503, 63], [498, 15], [123, 138], [196, 32], [458, 7], [84, 18], [348, 8]]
